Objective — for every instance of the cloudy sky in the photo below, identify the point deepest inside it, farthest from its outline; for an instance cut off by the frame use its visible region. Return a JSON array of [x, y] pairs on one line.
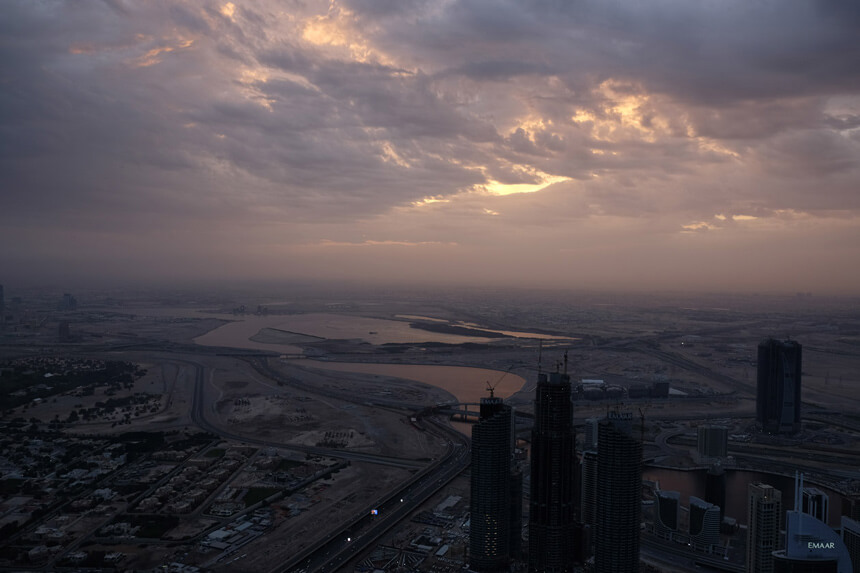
[[619, 144]]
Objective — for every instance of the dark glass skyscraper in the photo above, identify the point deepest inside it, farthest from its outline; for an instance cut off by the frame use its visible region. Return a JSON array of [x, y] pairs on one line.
[[551, 509], [778, 386], [715, 488], [490, 533], [619, 495]]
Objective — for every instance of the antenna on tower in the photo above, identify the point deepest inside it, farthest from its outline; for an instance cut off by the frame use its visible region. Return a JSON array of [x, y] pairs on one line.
[[565, 362]]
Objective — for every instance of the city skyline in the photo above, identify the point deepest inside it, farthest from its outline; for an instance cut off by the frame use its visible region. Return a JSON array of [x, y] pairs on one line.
[[596, 145]]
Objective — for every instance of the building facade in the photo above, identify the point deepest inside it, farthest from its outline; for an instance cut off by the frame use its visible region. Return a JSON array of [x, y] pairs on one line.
[[715, 488], [712, 442], [764, 508], [551, 508], [778, 386], [619, 495], [816, 503], [811, 547], [704, 524], [851, 539], [667, 513], [491, 488]]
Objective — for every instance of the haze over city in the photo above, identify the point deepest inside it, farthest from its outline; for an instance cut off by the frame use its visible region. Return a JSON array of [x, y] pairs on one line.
[[594, 144]]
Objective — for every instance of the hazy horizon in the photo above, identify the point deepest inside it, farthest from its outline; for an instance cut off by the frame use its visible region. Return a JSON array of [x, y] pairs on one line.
[[594, 145]]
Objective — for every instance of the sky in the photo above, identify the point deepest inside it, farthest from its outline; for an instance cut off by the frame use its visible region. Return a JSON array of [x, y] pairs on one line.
[[610, 144]]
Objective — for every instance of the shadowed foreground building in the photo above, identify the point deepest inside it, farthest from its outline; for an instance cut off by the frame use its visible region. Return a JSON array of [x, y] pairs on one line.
[[704, 525], [851, 539], [551, 508], [619, 495], [493, 489], [666, 513], [778, 386]]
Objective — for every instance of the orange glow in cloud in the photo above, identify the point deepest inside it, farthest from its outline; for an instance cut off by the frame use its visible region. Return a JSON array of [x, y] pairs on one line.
[[228, 10], [153, 56]]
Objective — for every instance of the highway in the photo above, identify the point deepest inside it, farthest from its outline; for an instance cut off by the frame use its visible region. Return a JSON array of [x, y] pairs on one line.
[[346, 542]]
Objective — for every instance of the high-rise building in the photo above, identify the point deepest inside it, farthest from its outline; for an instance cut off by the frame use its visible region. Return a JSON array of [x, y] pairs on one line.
[[704, 524], [515, 540], [589, 488], [851, 539], [2, 308], [764, 508], [619, 494], [666, 513], [551, 508], [810, 545], [591, 434], [715, 488], [712, 441], [491, 506], [778, 386], [816, 503]]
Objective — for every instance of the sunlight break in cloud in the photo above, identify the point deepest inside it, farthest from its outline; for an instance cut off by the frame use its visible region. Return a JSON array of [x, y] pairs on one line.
[[510, 129]]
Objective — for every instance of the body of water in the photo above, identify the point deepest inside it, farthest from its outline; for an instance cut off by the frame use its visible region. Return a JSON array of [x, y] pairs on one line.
[[467, 384]]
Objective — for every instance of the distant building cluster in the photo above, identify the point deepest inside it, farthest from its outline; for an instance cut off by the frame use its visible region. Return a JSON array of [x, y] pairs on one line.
[[596, 389], [579, 511], [585, 508]]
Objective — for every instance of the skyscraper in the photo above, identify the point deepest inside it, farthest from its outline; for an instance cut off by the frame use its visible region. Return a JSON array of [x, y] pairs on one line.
[[490, 506], [778, 386], [551, 509], [619, 494], [810, 545], [591, 434], [715, 488], [589, 488], [764, 507]]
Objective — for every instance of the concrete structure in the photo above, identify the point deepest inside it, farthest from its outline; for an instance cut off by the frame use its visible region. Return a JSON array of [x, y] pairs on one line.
[[490, 505], [764, 508], [551, 508], [778, 386], [619, 495]]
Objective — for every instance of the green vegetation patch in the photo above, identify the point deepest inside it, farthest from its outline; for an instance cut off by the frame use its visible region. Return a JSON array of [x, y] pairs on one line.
[[215, 453]]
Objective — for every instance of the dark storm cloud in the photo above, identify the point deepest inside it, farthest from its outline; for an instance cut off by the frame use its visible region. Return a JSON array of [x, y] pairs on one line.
[[185, 119]]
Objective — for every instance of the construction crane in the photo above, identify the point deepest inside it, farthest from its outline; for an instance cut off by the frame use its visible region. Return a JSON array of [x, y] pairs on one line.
[[492, 388]]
